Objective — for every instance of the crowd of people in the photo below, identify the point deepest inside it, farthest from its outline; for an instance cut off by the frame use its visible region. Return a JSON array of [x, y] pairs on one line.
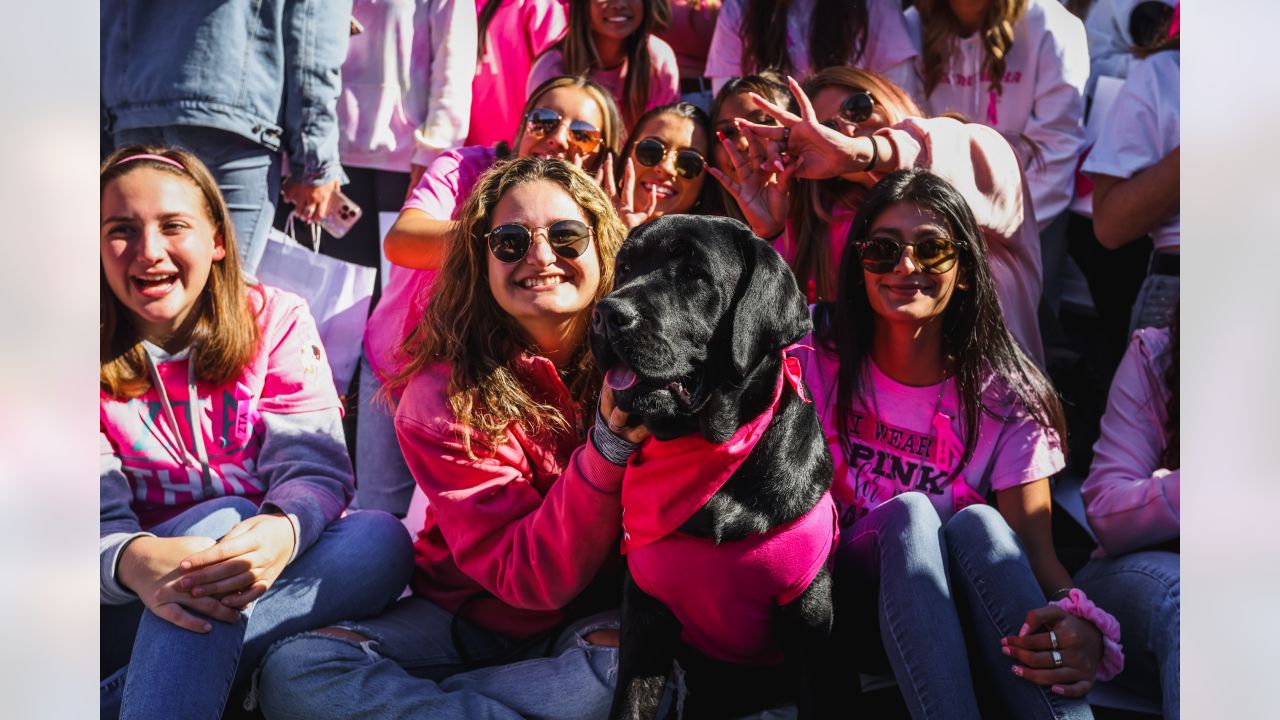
[[979, 198]]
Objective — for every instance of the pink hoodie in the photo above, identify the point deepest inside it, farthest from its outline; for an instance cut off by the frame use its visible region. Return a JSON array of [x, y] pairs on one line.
[[520, 31], [1133, 502], [532, 524], [981, 165]]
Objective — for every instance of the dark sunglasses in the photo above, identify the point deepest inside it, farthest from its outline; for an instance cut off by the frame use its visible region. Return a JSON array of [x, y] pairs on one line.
[[881, 256], [510, 243], [651, 151], [857, 108], [583, 136]]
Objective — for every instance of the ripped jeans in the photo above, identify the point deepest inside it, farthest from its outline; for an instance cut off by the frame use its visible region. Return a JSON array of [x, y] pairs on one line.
[[409, 667]]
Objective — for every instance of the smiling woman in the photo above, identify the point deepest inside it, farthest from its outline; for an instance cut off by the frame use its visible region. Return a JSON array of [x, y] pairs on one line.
[[662, 165]]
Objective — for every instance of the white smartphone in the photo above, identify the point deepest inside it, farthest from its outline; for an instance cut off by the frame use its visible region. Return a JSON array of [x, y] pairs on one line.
[[343, 213]]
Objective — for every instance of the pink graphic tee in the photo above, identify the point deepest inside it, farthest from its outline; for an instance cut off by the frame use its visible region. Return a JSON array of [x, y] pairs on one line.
[[290, 374], [439, 193], [519, 31], [906, 438], [664, 76]]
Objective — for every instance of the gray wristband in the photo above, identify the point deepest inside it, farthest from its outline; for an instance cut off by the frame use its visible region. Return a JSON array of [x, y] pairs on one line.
[[609, 444]]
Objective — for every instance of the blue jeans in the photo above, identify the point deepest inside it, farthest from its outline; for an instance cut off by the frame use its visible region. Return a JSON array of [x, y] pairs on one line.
[[247, 172], [1143, 590], [1157, 298], [178, 673], [899, 565], [409, 667], [383, 480]]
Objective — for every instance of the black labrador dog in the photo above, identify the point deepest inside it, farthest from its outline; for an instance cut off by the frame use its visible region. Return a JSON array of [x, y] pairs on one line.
[[691, 341]]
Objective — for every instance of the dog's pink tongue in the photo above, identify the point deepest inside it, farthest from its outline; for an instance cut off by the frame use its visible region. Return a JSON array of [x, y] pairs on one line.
[[621, 377]]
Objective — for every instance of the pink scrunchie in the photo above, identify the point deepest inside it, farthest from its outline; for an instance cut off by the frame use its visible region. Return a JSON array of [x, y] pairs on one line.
[[1078, 604]]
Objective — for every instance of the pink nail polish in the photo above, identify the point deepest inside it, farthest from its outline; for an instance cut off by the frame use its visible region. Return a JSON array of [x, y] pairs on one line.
[[198, 591], [1057, 690], [1017, 670], [1006, 650], [1025, 629]]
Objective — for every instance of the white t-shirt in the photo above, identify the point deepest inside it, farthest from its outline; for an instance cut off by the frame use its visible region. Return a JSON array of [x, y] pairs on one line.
[[1110, 44], [1142, 127], [1042, 96], [889, 50]]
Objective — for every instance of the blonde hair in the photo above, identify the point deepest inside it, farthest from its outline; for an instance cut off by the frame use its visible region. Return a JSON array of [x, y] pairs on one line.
[[465, 327], [940, 28], [225, 334], [610, 134], [811, 200]]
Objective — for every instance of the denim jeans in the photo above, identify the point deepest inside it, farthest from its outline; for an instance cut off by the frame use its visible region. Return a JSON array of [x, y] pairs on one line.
[[409, 667], [1143, 590], [356, 568], [247, 172], [383, 480], [1156, 300], [900, 566]]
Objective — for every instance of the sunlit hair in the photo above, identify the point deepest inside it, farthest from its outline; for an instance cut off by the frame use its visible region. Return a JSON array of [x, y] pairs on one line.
[[769, 85], [975, 337], [610, 134], [811, 201], [940, 29], [464, 325], [224, 335], [701, 124], [580, 55], [837, 34]]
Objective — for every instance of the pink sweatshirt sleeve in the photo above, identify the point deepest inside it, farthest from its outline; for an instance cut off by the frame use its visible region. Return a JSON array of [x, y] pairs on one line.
[[531, 551], [664, 77], [1130, 500]]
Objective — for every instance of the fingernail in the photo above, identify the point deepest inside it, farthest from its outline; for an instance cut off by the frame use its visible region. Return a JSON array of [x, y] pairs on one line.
[[207, 627], [1004, 641], [1017, 670], [720, 136], [778, 164], [1025, 629], [198, 591], [186, 582], [185, 565], [1058, 690], [1006, 650]]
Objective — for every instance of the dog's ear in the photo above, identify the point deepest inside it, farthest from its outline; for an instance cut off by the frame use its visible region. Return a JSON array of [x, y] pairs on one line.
[[769, 312]]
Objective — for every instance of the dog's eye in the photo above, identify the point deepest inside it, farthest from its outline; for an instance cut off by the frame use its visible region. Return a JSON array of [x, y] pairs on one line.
[[623, 269]]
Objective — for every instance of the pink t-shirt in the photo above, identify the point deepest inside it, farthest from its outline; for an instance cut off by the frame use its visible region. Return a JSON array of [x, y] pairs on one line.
[[439, 193], [693, 22], [520, 31], [908, 438], [725, 596], [289, 374], [664, 76]]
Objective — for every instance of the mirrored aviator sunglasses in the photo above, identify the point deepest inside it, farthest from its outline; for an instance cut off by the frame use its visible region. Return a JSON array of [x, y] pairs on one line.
[[583, 136], [510, 243], [934, 256], [651, 152], [856, 109]]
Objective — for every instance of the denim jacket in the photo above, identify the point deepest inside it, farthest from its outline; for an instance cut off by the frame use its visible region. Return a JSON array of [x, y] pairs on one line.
[[269, 70]]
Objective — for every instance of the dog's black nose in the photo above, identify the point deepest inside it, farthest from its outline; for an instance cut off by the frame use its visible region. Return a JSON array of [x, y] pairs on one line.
[[608, 317]]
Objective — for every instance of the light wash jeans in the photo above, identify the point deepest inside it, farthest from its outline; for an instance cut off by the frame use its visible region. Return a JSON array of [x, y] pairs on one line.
[[900, 566], [356, 568], [1143, 590], [383, 480], [248, 174], [410, 668], [1157, 298]]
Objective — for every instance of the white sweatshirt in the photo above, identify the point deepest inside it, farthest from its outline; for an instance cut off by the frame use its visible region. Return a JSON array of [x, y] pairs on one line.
[[1042, 97], [1110, 44], [406, 83]]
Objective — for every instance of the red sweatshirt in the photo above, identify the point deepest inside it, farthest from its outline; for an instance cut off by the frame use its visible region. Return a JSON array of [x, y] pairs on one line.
[[532, 523]]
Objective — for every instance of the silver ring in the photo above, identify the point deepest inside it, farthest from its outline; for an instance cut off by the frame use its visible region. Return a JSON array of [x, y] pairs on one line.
[[1057, 658], [786, 138], [1053, 638]]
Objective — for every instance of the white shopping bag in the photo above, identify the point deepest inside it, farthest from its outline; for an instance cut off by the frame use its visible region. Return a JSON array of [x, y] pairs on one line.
[[337, 291]]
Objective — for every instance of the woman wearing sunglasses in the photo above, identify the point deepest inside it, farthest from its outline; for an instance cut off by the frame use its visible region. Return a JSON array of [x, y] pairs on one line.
[[857, 128], [931, 409], [572, 119], [522, 472], [733, 102], [662, 165]]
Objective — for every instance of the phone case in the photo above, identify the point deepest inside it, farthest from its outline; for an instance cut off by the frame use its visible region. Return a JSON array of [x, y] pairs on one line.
[[343, 213]]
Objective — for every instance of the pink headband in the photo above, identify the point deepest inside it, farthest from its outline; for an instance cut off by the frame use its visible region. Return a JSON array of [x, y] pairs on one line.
[[157, 158]]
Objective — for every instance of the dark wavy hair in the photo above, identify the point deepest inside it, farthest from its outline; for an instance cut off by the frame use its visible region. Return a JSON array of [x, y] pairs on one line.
[[837, 34], [975, 337]]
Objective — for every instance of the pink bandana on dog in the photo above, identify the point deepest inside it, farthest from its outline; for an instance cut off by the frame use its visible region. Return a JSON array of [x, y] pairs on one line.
[[668, 480]]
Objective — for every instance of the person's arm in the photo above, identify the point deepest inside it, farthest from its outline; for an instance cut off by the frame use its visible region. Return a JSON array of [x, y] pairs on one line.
[[1027, 508], [316, 34], [724, 54], [445, 51], [1131, 501], [1056, 123], [1125, 209], [664, 78], [530, 551], [117, 524], [417, 240]]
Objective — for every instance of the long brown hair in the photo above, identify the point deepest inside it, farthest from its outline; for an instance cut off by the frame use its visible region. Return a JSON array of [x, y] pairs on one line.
[[811, 201], [837, 34], [940, 28], [580, 56], [225, 334], [610, 134], [465, 327]]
